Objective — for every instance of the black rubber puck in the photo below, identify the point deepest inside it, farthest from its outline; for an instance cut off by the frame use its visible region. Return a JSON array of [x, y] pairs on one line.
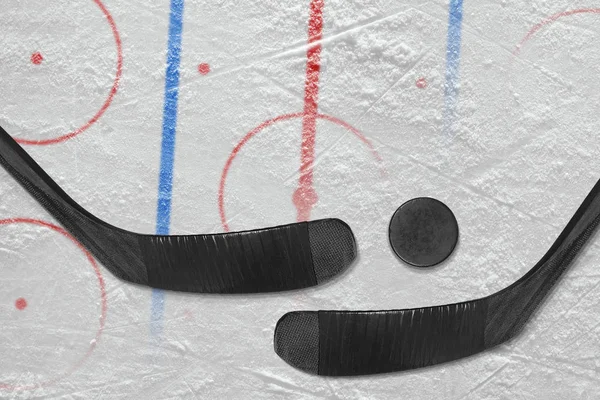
[[423, 232]]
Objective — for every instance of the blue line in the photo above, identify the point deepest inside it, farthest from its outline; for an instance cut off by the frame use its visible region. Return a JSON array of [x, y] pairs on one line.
[[451, 88], [167, 157]]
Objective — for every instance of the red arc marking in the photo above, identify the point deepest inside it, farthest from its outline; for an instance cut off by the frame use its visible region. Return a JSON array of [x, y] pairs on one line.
[[92, 261], [549, 21], [111, 94], [267, 124]]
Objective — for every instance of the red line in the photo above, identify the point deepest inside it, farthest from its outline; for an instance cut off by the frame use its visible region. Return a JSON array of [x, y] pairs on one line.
[[111, 94], [550, 20], [305, 196]]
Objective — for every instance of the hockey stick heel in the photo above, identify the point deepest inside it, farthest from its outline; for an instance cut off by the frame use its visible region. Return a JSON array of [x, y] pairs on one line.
[[344, 343]]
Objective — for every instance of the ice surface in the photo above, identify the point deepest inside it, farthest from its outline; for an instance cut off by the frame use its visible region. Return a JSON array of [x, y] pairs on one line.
[[519, 158]]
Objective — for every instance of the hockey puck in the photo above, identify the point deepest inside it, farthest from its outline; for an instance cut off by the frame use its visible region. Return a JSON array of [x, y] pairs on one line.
[[423, 232]]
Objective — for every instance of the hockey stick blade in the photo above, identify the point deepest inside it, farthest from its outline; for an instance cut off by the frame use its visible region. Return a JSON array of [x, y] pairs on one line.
[[286, 257], [345, 343]]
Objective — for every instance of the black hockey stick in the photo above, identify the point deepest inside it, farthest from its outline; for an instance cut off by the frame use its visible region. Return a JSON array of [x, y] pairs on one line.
[[342, 343], [282, 258]]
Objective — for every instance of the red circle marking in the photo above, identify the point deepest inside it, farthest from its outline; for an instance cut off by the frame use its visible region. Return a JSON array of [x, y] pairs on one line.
[[204, 69], [266, 124], [549, 21], [421, 83], [93, 343], [37, 58], [21, 303], [108, 100]]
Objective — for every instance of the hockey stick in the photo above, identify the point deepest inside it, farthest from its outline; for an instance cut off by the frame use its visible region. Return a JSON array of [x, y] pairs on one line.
[[282, 258], [342, 343]]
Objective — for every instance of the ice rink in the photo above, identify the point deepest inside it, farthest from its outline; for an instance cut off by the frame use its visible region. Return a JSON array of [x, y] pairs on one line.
[[198, 116]]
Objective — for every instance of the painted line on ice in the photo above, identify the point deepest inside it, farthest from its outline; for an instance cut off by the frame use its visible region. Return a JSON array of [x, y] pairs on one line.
[[305, 197], [286, 117], [167, 157], [550, 20], [451, 87]]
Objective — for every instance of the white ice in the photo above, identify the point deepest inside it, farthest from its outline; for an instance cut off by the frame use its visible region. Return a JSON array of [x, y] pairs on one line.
[[521, 156]]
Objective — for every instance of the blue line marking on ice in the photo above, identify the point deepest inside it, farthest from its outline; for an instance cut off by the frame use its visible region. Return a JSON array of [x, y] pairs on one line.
[[165, 180], [451, 87]]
